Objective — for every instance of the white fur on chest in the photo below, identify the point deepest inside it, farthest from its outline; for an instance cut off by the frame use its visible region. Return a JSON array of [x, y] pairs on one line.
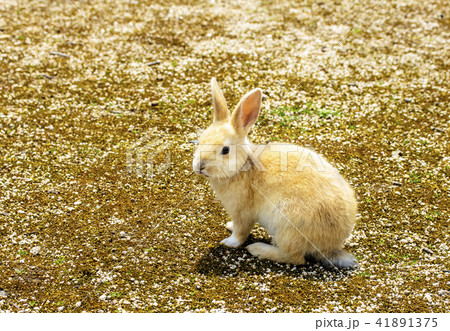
[[268, 217], [229, 197], [236, 202]]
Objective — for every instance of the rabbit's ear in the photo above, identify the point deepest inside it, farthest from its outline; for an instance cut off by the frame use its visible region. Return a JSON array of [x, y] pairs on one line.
[[219, 103], [247, 112]]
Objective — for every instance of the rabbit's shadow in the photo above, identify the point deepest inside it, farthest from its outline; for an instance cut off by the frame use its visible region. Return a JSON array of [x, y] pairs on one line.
[[232, 262]]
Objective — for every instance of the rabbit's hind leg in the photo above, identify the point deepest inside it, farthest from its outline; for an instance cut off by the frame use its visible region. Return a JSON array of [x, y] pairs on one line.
[[273, 253]]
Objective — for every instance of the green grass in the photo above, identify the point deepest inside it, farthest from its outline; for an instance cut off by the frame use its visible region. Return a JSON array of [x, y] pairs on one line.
[[290, 114], [415, 178], [433, 214], [60, 260], [19, 271]]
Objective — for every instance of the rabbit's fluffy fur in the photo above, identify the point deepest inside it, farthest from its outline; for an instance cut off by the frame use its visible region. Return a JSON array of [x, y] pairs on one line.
[[295, 194]]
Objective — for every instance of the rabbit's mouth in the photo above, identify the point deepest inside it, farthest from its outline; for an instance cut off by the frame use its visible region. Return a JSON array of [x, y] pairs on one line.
[[203, 173]]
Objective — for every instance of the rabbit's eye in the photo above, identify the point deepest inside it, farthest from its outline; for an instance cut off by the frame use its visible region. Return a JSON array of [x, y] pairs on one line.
[[225, 150]]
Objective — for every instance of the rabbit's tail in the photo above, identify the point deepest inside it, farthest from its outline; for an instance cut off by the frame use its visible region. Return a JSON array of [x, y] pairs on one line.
[[337, 259]]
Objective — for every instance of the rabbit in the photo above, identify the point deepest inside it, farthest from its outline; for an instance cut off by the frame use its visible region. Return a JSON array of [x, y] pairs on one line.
[[302, 201]]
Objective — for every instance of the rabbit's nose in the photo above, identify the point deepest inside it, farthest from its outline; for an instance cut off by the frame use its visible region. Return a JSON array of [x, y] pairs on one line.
[[202, 165]]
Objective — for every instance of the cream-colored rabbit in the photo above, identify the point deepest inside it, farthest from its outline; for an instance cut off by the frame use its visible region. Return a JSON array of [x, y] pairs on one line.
[[295, 194]]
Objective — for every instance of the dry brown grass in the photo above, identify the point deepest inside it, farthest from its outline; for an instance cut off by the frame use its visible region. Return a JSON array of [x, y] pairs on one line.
[[364, 83]]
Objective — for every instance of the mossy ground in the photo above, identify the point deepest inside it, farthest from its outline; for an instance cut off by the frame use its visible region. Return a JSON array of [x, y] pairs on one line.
[[364, 83]]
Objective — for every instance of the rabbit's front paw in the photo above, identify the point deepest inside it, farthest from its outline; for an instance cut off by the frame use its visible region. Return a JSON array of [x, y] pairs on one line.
[[229, 226], [231, 241]]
